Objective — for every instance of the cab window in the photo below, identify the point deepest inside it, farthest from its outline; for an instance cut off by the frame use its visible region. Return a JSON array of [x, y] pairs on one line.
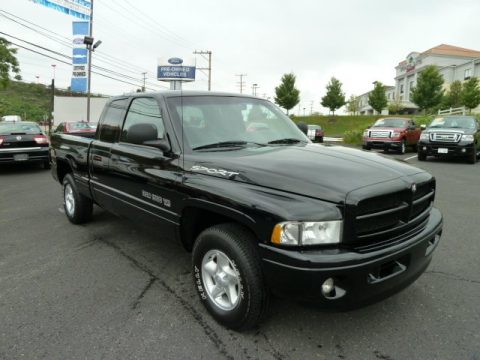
[[143, 111], [112, 120]]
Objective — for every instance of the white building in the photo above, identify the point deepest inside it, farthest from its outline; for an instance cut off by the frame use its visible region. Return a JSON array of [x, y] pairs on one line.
[[366, 109], [454, 63]]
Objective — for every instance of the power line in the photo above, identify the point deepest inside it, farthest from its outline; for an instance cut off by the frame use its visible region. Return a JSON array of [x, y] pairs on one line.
[[69, 63], [67, 43]]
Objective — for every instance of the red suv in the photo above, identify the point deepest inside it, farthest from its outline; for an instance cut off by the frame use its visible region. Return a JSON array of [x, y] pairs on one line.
[[392, 133]]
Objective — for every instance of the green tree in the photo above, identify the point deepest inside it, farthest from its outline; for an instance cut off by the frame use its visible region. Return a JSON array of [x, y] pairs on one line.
[[429, 92], [471, 93], [453, 98], [377, 98], [353, 104], [335, 98], [396, 107], [286, 94], [8, 63]]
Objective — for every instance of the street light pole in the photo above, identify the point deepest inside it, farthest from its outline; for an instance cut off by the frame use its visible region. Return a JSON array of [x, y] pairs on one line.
[[89, 64]]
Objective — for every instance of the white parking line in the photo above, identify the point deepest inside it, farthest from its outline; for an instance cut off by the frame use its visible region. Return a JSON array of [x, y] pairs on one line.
[[410, 157]]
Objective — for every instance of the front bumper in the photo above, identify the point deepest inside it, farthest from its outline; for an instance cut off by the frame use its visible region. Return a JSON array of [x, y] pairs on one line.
[[360, 278], [382, 144], [453, 149], [29, 154]]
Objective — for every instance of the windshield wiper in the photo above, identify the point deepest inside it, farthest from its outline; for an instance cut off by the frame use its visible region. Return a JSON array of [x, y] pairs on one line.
[[226, 144], [286, 141]]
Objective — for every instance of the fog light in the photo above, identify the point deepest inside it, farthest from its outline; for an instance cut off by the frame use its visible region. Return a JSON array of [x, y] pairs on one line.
[[328, 286], [464, 150], [424, 148]]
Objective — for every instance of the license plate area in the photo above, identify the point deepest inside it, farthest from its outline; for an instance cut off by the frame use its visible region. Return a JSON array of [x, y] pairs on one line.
[[20, 157], [442, 151]]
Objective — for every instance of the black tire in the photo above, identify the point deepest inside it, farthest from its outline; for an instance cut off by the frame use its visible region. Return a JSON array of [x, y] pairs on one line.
[[415, 148], [239, 246], [472, 159], [421, 156], [403, 147], [78, 207], [46, 164], [365, 147], [320, 139]]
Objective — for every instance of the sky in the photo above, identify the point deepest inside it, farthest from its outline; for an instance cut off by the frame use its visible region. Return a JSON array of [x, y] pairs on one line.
[[358, 42]]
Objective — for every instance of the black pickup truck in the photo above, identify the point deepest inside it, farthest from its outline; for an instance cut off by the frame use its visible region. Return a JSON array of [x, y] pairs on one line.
[[261, 208], [451, 136]]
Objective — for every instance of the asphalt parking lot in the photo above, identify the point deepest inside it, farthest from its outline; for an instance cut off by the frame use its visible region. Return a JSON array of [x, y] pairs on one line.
[[107, 290]]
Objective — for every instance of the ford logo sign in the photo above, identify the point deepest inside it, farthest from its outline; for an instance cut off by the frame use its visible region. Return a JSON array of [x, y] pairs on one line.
[[175, 61]]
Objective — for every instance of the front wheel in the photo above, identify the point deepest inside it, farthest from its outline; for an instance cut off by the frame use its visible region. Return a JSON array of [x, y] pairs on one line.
[[228, 277], [78, 207], [472, 159], [421, 156]]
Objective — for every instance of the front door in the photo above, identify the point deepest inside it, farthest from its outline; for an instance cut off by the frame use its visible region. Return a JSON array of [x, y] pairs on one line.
[[146, 180]]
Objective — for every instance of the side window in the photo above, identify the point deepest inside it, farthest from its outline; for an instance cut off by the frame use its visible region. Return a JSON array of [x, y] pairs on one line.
[[143, 111], [59, 128], [112, 121]]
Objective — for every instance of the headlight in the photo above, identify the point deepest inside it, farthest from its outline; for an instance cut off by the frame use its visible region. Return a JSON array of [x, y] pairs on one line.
[[467, 137], [396, 134], [424, 136], [307, 233], [365, 133]]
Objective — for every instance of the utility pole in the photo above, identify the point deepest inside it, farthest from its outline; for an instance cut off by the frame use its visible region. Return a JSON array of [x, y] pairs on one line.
[[254, 89], [144, 81], [209, 68], [52, 108], [241, 83]]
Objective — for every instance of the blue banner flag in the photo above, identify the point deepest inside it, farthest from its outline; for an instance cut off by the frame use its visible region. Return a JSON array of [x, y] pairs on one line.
[[78, 8], [79, 82]]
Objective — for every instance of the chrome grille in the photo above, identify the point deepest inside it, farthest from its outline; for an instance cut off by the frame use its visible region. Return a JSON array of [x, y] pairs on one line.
[[445, 137], [379, 134]]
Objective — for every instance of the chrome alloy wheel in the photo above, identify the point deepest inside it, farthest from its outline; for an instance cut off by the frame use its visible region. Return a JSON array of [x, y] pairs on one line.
[[221, 280], [69, 199]]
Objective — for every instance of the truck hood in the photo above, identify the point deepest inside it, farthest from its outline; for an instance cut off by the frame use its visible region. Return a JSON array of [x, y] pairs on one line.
[[324, 172], [450, 130]]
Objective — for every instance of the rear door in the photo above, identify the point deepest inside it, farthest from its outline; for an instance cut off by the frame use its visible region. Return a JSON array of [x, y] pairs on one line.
[[146, 181], [100, 151]]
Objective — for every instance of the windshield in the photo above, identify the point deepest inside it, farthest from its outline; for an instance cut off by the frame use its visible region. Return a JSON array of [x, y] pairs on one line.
[[461, 122], [390, 123], [232, 121], [20, 128]]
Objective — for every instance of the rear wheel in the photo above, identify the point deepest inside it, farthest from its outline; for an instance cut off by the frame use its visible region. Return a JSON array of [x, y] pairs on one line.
[[228, 276], [78, 207]]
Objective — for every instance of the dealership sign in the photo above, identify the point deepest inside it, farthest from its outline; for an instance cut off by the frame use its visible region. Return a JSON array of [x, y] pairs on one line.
[[80, 57], [176, 69], [77, 8]]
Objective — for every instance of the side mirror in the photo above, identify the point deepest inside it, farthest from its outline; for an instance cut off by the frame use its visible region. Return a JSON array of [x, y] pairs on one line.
[[423, 126], [139, 133], [161, 144]]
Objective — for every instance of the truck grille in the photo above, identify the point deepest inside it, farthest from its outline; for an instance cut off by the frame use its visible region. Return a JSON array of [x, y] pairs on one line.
[[379, 134], [386, 219], [445, 137]]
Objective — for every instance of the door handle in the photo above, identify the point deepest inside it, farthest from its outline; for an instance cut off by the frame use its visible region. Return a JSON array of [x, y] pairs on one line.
[[97, 158]]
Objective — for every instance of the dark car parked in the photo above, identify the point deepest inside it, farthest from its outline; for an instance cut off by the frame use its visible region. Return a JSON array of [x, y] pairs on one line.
[[23, 142], [451, 136], [315, 133], [79, 128], [261, 211]]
